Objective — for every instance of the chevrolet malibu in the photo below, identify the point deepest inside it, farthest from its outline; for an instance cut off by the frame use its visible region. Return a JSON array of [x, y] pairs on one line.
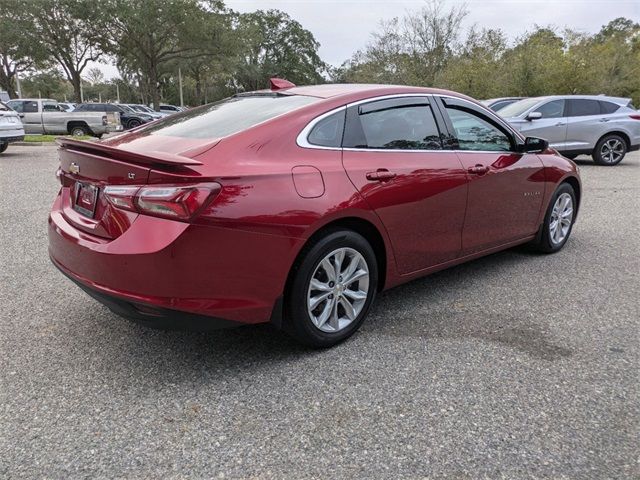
[[297, 205]]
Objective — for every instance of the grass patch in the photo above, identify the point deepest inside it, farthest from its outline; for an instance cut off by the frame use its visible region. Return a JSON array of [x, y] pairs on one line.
[[51, 138]]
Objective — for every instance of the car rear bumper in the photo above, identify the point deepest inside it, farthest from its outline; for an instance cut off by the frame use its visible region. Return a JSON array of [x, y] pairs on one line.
[[12, 138], [159, 268]]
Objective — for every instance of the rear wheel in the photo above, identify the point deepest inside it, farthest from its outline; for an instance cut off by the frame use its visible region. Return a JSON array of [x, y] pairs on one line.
[[79, 130], [610, 150], [558, 221], [3, 146], [332, 289]]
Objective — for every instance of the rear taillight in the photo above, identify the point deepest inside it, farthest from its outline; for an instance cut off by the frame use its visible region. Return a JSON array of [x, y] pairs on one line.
[[181, 202], [635, 116]]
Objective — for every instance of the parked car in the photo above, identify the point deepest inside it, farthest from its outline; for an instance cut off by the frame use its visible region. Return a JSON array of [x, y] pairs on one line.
[[170, 109], [604, 127], [11, 129], [497, 104], [67, 107], [44, 116], [129, 117], [146, 110], [296, 206]]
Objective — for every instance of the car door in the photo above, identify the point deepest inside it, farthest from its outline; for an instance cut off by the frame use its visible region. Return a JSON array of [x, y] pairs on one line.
[[29, 114], [52, 118], [552, 126], [392, 152], [585, 123], [506, 187]]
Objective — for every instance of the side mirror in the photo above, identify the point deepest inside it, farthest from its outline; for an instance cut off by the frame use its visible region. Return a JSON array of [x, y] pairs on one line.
[[534, 145], [534, 116]]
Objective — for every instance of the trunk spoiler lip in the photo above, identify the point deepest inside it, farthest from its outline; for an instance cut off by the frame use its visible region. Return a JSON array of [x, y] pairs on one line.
[[137, 157]]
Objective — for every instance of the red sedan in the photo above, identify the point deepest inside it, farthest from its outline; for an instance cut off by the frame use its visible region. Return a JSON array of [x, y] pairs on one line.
[[296, 205]]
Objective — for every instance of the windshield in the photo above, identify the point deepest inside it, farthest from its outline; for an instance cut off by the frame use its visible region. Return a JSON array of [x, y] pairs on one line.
[[126, 108], [518, 108], [228, 116]]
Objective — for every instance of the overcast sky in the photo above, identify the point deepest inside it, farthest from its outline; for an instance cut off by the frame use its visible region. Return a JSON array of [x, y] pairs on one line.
[[342, 27]]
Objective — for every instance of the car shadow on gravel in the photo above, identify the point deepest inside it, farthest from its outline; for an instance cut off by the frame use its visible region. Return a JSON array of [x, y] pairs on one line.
[[258, 346]]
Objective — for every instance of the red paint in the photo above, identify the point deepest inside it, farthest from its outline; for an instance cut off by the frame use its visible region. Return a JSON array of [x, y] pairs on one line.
[[233, 258]]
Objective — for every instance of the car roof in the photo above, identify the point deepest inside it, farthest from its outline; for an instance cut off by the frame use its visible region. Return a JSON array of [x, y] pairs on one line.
[[359, 90], [32, 99], [618, 100]]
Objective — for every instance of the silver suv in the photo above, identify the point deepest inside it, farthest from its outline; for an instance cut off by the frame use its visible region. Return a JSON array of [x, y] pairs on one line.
[[604, 127]]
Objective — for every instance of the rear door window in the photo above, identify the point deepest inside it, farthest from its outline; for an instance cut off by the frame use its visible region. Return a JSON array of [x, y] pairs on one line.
[[228, 116], [395, 124], [579, 107]]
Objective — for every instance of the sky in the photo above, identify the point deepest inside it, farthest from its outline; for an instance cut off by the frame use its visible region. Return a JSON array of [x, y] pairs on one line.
[[342, 27]]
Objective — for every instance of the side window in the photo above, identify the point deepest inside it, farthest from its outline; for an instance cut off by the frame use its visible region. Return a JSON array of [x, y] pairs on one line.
[[583, 107], [608, 107], [328, 131], [30, 107], [50, 107], [553, 109], [396, 124], [17, 105], [475, 133]]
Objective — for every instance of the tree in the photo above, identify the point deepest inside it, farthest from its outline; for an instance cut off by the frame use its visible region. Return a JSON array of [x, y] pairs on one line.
[[275, 45], [17, 53], [147, 36], [67, 31], [94, 76]]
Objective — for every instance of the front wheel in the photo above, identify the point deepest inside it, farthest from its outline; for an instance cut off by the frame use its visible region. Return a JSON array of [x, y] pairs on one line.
[[610, 150], [3, 146], [558, 221], [333, 286], [134, 123]]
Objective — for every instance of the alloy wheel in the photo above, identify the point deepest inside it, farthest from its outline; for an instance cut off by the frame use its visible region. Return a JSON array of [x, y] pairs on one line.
[[561, 218], [338, 290], [612, 150]]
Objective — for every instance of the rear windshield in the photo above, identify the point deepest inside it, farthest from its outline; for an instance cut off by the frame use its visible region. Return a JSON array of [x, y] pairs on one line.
[[228, 116]]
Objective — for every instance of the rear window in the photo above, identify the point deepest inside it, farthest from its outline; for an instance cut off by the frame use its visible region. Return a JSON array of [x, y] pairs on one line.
[[608, 107], [228, 116]]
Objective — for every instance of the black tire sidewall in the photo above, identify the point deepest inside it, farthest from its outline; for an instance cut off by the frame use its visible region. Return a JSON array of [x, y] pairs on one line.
[[3, 146], [597, 152], [297, 321], [546, 244], [134, 124]]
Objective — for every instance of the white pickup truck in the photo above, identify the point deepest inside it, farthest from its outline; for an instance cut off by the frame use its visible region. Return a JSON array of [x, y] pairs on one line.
[[46, 117]]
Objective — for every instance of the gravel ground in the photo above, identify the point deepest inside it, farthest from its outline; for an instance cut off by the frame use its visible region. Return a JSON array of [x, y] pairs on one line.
[[513, 366]]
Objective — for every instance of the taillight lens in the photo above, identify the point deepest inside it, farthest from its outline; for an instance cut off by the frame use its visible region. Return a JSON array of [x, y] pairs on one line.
[[635, 116], [181, 202]]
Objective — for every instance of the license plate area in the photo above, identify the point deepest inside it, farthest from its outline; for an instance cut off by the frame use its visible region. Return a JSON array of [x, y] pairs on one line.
[[85, 199]]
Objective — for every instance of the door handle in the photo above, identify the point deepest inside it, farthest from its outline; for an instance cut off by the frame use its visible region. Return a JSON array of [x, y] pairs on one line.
[[560, 124], [478, 169], [604, 120], [380, 175]]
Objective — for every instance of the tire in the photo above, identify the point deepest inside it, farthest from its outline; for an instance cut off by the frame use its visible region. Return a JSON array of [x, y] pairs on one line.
[[79, 130], [549, 239], [610, 150], [305, 323], [3, 146], [133, 124]]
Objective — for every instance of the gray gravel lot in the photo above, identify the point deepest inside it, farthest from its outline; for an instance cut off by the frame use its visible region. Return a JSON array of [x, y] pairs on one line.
[[513, 366]]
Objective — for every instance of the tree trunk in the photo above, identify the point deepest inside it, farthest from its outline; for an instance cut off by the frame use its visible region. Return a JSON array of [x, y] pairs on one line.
[[75, 82], [6, 83], [155, 89]]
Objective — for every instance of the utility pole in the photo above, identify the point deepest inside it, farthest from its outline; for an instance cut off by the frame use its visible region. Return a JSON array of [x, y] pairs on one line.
[[18, 85], [81, 92], [118, 92], [180, 82]]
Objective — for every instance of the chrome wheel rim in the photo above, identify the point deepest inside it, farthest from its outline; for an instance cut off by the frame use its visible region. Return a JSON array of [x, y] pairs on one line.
[[338, 290], [612, 150], [561, 218]]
